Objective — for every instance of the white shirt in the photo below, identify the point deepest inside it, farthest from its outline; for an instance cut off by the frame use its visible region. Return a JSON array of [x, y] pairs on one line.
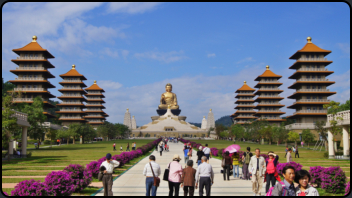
[[148, 171], [110, 166], [206, 150], [204, 170]]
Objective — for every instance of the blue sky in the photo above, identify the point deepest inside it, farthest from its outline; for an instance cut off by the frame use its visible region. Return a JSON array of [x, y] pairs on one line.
[[206, 50]]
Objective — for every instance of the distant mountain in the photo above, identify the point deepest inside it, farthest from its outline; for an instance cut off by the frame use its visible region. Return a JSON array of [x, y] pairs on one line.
[[225, 120], [196, 124]]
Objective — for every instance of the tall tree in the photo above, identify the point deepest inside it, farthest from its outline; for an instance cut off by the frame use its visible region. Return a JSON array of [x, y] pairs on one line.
[[52, 134], [64, 133], [292, 136], [237, 131], [280, 133], [7, 86], [74, 130], [267, 132], [307, 136], [219, 128], [322, 131]]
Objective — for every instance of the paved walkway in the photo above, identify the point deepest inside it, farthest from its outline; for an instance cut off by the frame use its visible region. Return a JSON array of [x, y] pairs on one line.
[[132, 183]]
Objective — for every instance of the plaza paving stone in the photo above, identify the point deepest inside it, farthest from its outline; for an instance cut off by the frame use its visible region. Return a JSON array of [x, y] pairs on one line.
[[132, 182]]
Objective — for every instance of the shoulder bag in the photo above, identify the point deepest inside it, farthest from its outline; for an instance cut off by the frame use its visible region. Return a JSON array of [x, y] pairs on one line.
[[166, 174], [156, 179], [223, 162]]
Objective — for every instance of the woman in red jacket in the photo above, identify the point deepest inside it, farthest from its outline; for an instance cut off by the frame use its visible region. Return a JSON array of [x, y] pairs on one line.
[[271, 174]]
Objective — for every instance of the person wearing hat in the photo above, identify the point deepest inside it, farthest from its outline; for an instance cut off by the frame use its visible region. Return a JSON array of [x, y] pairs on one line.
[[200, 154], [109, 165], [175, 172], [271, 174]]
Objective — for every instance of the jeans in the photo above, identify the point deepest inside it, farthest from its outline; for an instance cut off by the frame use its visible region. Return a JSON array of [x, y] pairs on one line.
[[173, 185], [226, 172], [270, 178], [186, 159], [234, 170], [149, 183], [199, 162]]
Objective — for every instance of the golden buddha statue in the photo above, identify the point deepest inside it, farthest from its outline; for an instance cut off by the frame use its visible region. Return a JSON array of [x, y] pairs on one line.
[[168, 99]]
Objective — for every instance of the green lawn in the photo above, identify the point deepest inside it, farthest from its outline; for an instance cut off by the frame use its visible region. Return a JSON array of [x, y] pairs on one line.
[[63, 156]]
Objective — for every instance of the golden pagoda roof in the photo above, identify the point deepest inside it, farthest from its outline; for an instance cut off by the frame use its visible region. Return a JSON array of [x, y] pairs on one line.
[[94, 87], [73, 73], [245, 87], [267, 73], [33, 46], [310, 47]]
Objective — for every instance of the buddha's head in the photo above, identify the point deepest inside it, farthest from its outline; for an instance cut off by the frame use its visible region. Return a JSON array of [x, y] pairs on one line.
[[168, 87]]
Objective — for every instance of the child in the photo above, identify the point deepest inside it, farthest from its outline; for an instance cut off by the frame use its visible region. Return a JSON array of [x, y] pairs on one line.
[[121, 148], [114, 145]]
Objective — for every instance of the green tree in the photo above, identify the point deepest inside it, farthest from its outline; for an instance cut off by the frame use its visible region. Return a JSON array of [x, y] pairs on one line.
[[322, 131], [7, 86], [64, 133], [74, 130], [219, 128], [224, 134], [52, 134], [307, 136], [237, 131], [267, 132], [122, 130], [292, 136], [280, 133], [334, 108]]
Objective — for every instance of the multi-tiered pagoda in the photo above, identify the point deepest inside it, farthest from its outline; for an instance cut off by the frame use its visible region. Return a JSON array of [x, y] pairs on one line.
[[268, 97], [311, 85], [72, 98], [95, 115], [245, 112], [33, 75]]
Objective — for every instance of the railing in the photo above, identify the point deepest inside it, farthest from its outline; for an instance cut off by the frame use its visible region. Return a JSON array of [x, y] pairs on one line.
[[312, 100], [313, 79], [312, 59], [64, 95], [23, 99], [272, 118], [268, 81], [90, 92], [92, 116], [239, 111], [345, 115], [271, 96], [313, 90], [63, 117], [71, 81], [269, 103], [71, 87], [300, 126], [311, 111], [312, 69], [245, 99], [245, 94], [269, 89], [71, 110], [270, 111], [30, 68], [29, 89], [29, 78], [31, 58], [71, 103], [97, 98]]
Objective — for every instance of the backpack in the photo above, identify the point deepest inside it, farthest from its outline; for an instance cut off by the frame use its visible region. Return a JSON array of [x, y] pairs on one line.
[[269, 193], [247, 158]]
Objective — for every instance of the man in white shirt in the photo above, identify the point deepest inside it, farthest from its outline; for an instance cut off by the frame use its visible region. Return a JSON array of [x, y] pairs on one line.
[[205, 177], [207, 152], [107, 177], [149, 181]]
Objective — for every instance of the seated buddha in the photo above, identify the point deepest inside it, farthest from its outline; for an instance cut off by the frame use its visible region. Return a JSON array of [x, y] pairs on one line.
[[168, 98]]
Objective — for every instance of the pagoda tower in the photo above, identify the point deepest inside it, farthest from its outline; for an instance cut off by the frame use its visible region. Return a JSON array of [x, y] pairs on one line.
[[127, 119], [95, 115], [268, 97], [311, 85], [72, 98], [245, 105], [33, 75]]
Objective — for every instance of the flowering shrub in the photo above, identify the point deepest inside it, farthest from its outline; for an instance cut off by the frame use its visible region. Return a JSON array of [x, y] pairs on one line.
[[5, 193], [29, 188], [280, 166], [347, 190], [266, 157], [93, 168], [81, 177], [214, 151], [315, 173], [59, 183], [333, 179], [221, 152]]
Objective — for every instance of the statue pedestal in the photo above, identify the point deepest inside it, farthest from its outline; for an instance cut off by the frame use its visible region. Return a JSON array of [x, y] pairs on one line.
[[161, 112]]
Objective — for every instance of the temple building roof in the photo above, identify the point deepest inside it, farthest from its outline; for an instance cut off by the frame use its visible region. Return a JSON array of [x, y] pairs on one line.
[[33, 46], [245, 87], [95, 87], [310, 47], [267, 73], [73, 73]]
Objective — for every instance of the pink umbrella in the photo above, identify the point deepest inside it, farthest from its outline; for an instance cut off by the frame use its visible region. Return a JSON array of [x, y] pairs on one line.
[[232, 148]]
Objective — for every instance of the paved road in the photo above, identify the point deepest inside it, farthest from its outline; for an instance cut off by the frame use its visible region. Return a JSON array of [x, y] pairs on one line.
[[132, 183]]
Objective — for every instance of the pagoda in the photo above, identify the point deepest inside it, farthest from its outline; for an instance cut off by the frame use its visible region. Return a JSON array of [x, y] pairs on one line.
[[33, 75], [245, 106], [311, 85], [268, 97], [95, 115], [72, 98]]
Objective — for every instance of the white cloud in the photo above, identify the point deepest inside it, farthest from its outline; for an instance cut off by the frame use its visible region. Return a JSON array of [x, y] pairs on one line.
[[248, 59], [132, 7], [345, 48], [125, 53], [107, 51], [166, 57], [211, 55], [108, 84]]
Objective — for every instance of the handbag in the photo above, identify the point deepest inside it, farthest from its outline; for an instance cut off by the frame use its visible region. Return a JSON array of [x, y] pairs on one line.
[[223, 163], [156, 179], [166, 174]]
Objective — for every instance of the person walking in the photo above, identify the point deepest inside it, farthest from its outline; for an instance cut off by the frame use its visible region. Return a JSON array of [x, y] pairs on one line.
[[289, 157], [289, 189], [190, 150], [185, 151], [271, 175], [151, 170], [175, 173], [207, 152], [302, 178], [109, 165], [188, 179], [200, 154], [204, 176], [257, 168], [161, 148], [296, 153], [114, 145], [128, 146], [227, 162], [302, 143], [236, 165], [246, 157], [286, 150]]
